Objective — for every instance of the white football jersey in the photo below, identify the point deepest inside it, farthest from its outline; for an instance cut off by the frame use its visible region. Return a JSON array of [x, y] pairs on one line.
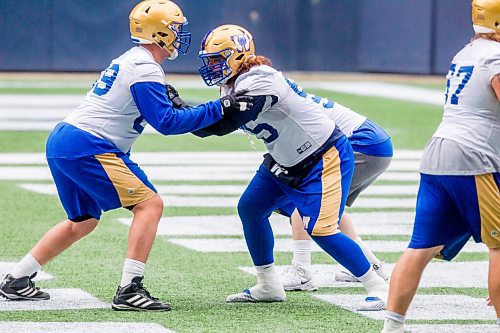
[[471, 110], [346, 119], [291, 126], [109, 110]]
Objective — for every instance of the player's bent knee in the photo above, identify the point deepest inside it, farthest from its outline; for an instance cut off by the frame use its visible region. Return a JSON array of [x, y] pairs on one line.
[[83, 228], [154, 204]]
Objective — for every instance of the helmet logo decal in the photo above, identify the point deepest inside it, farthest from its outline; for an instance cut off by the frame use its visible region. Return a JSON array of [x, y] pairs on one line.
[[242, 42]]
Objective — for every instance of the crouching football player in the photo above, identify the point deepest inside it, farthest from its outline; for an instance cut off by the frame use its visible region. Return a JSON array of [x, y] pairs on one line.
[[88, 154], [310, 162]]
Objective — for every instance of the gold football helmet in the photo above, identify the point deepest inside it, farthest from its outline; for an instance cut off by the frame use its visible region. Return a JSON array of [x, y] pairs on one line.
[[223, 51], [160, 22], [486, 16]]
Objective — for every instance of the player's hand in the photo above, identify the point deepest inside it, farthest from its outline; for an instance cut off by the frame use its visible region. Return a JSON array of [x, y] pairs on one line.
[[173, 96], [237, 102]]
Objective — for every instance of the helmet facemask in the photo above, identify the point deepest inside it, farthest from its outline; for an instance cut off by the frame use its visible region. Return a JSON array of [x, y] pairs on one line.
[[216, 69], [181, 42]]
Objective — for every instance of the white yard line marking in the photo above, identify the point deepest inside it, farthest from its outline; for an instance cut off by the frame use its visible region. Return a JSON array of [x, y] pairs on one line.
[[424, 307], [379, 223], [452, 328], [403, 159], [286, 245], [473, 274], [80, 327], [381, 89], [7, 267], [203, 201], [236, 190], [60, 299]]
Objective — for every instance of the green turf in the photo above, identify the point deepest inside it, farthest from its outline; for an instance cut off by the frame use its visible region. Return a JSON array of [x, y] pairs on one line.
[[196, 283]]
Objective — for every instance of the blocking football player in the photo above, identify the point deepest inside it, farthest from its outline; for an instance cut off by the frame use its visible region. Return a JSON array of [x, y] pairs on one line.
[[372, 155], [88, 154], [460, 170], [310, 162]]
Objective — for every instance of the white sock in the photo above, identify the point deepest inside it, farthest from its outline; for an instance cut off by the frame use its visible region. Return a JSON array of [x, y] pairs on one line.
[[373, 283], [395, 316], [26, 267], [391, 325], [367, 252], [131, 269], [302, 253]]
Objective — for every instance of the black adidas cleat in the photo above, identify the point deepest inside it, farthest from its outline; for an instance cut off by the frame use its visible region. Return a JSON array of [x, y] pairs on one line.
[[134, 297], [21, 289]]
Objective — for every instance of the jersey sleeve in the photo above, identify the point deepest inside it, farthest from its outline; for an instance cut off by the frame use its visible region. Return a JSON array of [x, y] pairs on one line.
[[231, 123], [157, 110], [147, 72]]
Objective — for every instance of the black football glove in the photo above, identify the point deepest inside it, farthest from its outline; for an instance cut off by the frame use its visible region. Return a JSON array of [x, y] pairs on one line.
[[236, 102], [173, 96]]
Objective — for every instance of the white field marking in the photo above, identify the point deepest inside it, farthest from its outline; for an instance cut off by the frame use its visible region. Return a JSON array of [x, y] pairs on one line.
[[452, 328], [60, 299], [472, 274], [231, 189], [187, 201], [381, 89], [404, 165], [7, 267], [82, 327], [286, 245], [44, 125], [203, 201], [162, 189], [10, 101], [424, 307], [377, 223], [30, 114], [400, 176], [236, 158]]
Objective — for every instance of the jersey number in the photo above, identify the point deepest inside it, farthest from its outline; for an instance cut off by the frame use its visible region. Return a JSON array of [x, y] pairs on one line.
[[467, 71], [270, 136], [102, 86]]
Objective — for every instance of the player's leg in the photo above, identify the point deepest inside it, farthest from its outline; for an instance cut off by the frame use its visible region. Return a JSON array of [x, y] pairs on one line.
[[254, 208], [124, 184], [439, 231], [299, 275], [320, 202], [83, 213], [488, 199], [494, 280], [367, 169]]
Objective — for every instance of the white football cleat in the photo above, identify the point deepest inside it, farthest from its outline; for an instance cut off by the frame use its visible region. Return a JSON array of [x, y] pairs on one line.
[[374, 301], [259, 293], [297, 277], [345, 276]]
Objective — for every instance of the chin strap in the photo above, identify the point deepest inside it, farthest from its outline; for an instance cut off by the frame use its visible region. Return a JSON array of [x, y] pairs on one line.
[[173, 55]]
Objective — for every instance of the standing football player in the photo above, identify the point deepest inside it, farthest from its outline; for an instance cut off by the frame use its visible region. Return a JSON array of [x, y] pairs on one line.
[[372, 155], [310, 162], [88, 154], [460, 170]]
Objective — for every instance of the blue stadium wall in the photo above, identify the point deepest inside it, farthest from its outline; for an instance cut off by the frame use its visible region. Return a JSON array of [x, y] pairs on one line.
[[396, 36]]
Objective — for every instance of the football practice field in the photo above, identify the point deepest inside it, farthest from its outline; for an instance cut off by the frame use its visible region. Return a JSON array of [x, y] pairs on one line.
[[200, 255]]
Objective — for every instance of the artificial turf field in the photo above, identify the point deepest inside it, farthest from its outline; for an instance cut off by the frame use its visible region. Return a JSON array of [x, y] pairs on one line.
[[196, 282]]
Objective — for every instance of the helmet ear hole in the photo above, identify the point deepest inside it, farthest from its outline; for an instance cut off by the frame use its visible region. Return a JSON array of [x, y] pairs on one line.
[[238, 58], [162, 34]]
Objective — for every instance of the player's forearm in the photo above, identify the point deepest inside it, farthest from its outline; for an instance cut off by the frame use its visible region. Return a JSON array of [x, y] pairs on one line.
[[158, 110]]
